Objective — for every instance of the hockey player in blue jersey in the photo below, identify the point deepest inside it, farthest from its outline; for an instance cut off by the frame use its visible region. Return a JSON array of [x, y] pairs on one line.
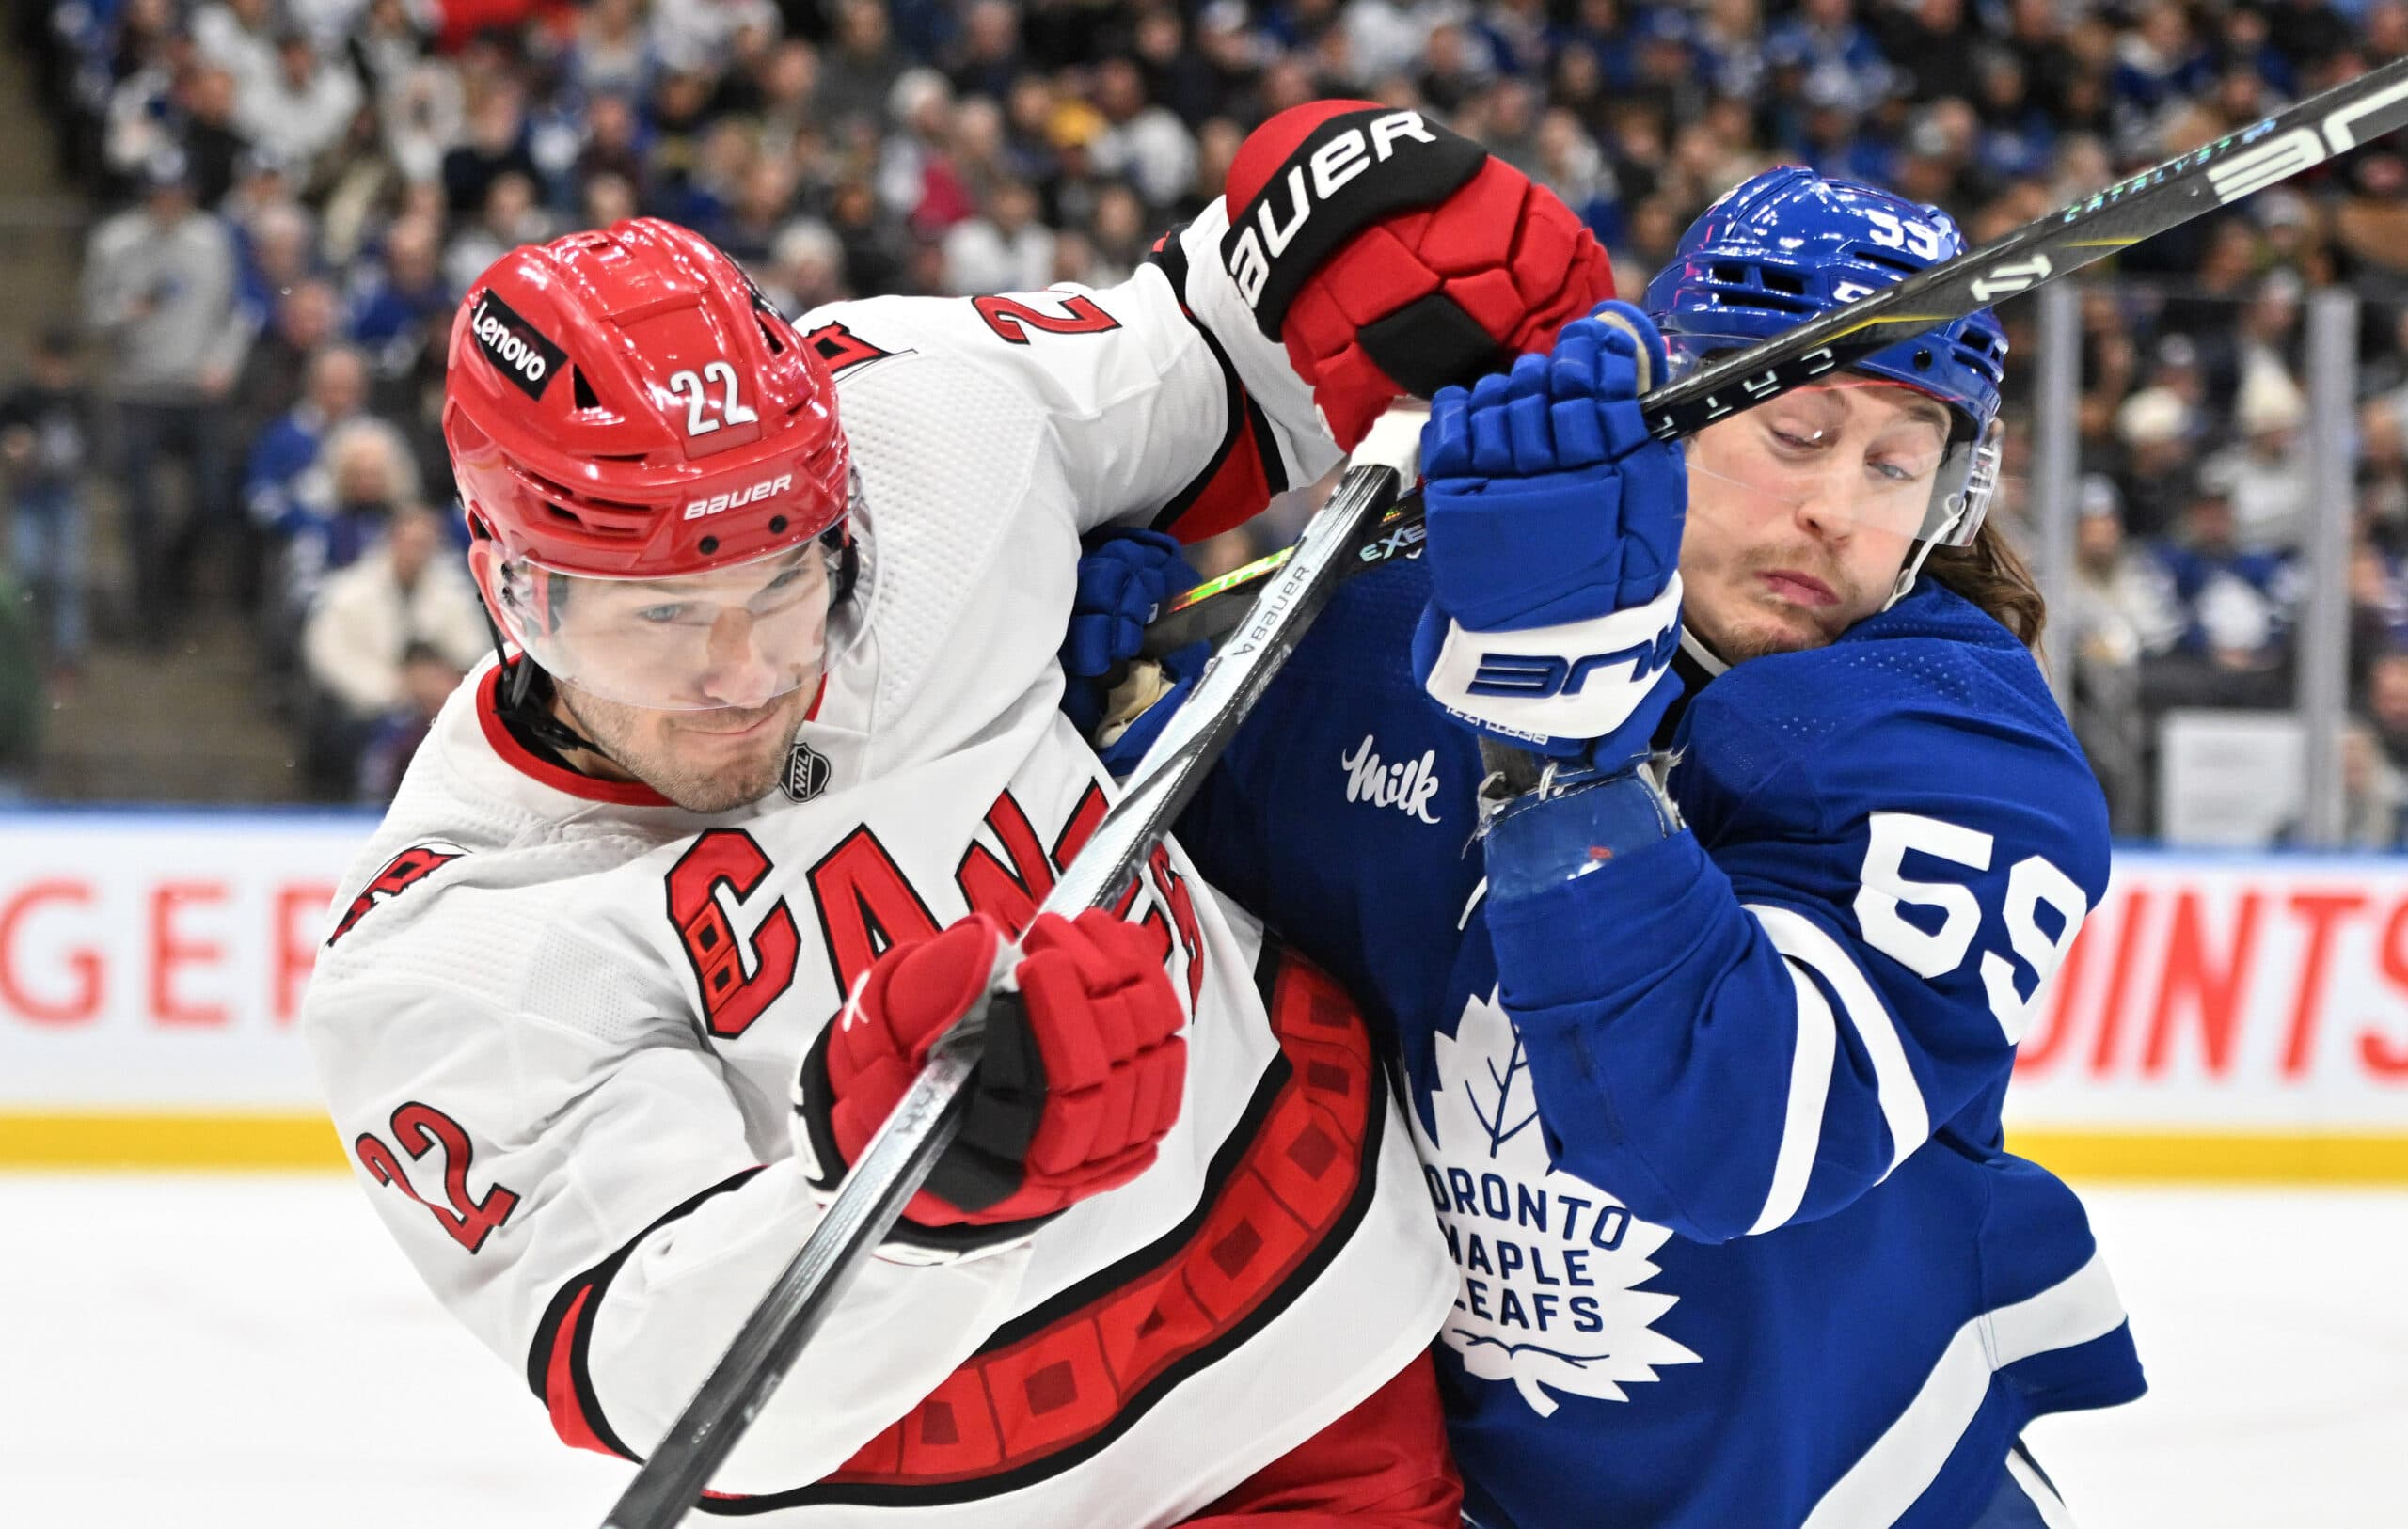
[[1707, 1009]]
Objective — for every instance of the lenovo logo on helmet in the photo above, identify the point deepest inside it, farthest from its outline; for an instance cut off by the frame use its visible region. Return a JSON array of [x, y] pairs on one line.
[[518, 349], [735, 499]]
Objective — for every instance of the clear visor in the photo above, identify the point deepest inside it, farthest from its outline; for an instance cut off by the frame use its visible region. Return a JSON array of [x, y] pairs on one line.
[[1876, 455], [737, 636]]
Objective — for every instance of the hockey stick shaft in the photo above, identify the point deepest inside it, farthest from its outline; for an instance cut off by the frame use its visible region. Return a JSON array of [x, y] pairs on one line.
[[2140, 207], [901, 1155]]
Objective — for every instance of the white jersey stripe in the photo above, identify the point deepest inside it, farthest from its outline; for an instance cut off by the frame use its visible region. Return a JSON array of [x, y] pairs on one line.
[[2045, 1502], [1801, 939], [1810, 1086], [1888, 1478]]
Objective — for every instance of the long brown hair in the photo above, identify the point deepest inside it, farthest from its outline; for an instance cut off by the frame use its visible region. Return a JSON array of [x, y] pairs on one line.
[[1994, 575]]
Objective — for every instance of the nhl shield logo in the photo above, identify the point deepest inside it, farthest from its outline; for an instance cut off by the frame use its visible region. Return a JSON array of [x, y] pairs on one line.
[[807, 772]]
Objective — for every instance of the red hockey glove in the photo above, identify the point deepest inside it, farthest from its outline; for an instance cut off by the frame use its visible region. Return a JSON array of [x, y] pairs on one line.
[[1082, 1076], [1390, 255]]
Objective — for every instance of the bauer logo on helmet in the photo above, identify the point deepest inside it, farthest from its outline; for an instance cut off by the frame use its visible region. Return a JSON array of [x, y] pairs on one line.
[[735, 499], [516, 349]]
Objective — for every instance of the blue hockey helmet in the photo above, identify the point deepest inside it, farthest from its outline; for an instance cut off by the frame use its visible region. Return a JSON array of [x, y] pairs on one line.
[[1788, 245]]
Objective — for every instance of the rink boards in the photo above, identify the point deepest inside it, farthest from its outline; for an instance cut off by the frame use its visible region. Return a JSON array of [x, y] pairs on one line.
[[2221, 1016]]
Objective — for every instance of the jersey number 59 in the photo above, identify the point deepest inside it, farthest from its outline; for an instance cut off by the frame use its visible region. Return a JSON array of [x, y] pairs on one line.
[[1933, 952]]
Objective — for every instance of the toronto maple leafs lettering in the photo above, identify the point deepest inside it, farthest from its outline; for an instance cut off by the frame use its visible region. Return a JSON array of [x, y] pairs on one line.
[[1549, 1262]]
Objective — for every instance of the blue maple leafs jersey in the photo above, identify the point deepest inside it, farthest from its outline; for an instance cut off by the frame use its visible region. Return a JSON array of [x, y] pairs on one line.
[[1714, 1133]]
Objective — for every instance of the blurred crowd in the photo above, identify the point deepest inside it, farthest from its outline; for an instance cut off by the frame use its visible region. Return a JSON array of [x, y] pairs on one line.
[[292, 195]]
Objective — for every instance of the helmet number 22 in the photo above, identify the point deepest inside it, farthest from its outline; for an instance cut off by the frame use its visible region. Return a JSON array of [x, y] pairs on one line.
[[1904, 233], [689, 390]]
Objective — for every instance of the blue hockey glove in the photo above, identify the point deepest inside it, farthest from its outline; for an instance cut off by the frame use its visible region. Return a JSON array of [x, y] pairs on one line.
[[1125, 576], [1553, 545], [1152, 690]]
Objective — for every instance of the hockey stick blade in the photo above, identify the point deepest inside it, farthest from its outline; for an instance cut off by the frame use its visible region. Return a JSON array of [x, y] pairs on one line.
[[904, 1150], [2140, 207]]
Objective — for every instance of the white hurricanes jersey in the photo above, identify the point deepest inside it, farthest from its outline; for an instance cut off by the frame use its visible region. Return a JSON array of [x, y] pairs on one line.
[[558, 1020]]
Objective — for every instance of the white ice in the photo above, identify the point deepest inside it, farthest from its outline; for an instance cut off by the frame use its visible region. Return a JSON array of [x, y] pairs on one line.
[[252, 1353]]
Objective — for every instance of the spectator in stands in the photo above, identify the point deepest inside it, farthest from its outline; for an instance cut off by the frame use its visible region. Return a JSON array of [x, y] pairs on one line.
[[212, 136], [701, 35], [1003, 250], [276, 486], [369, 471], [612, 54], [2374, 798], [278, 246], [305, 106], [404, 588], [806, 267], [2388, 705], [2122, 611], [763, 198], [512, 217], [495, 146], [863, 65], [1142, 142], [239, 36], [428, 679], [394, 298], [2265, 472], [21, 696], [46, 433], [2237, 602], [2155, 427], [2378, 611], [276, 369], [159, 287], [1824, 34]]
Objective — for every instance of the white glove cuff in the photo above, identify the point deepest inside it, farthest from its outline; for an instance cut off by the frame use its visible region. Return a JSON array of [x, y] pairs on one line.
[[1578, 679]]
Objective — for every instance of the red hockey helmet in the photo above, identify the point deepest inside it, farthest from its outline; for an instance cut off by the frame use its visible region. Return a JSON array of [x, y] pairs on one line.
[[624, 409]]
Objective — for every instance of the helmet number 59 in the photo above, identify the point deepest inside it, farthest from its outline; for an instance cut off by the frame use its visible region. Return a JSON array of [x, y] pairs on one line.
[[689, 388], [1904, 233]]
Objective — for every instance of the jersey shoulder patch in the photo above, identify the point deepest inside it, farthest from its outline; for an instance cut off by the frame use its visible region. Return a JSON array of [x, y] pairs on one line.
[[403, 872], [841, 351]]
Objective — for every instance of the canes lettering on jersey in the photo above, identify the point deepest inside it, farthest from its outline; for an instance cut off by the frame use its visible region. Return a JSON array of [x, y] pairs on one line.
[[867, 904], [732, 996]]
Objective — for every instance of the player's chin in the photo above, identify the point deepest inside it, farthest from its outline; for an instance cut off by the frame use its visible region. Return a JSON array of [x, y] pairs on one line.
[[1753, 629], [720, 759]]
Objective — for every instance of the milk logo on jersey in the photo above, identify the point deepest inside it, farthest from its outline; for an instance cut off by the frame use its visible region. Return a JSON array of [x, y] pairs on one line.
[[1405, 785], [403, 872], [1550, 1263], [518, 349]]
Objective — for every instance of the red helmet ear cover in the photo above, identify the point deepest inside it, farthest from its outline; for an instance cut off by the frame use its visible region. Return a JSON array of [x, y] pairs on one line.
[[623, 403]]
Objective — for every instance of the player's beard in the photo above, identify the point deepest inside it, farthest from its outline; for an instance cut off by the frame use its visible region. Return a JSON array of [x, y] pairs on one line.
[[677, 754], [1728, 609]]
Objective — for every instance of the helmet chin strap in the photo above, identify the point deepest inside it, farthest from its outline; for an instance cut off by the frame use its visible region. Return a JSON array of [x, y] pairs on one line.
[[525, 711], [1694, 648], [1908, 575]]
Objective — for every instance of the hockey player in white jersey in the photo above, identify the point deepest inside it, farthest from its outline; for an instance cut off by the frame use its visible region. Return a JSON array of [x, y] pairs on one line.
[[668, 907]]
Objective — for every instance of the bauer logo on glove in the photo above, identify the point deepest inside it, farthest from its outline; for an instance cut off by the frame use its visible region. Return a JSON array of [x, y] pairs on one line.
[[1392, 256]]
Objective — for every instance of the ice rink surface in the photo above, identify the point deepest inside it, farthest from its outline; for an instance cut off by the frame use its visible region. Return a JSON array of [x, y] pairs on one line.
[[252, 1353]]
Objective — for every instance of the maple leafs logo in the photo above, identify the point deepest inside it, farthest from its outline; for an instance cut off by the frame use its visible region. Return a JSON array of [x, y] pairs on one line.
[[1550, 1263]]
